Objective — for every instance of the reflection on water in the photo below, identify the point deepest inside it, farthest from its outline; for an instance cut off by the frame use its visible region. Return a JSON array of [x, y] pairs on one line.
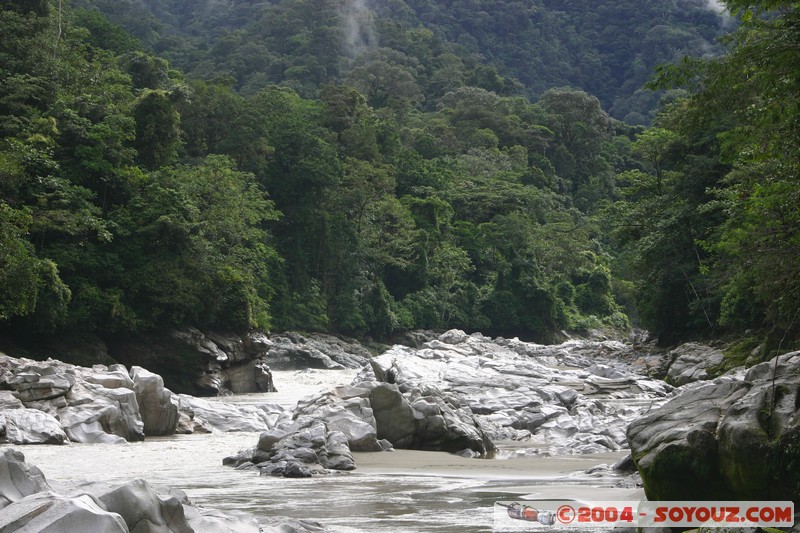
[[402, 491]]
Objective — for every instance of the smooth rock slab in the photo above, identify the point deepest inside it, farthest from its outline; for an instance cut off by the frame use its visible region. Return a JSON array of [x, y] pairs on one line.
[[113, 377], [733, 438], [47, 512], [203, 520], [759, 437]]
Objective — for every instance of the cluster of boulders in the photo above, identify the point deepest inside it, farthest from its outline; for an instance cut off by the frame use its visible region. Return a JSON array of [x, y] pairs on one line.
[[28, 503], [365, 416], [736, 437], [565, 398], [461, 393], [220, 363], [50, 402]]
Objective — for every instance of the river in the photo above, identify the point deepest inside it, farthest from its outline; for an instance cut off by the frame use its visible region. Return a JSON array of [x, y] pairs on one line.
[[400, 491]]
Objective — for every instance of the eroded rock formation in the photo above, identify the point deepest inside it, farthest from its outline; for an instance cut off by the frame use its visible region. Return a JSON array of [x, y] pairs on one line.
[[50, 402], [732, 438]]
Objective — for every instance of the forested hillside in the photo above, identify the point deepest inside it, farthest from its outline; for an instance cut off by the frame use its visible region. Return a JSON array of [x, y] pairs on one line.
[[426, 48], [327, 166]]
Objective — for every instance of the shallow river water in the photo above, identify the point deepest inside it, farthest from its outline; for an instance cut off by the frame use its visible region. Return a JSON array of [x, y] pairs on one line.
[[401, 491]]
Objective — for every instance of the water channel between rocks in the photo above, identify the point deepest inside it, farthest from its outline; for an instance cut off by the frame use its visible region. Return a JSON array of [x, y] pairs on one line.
[[400, 491]]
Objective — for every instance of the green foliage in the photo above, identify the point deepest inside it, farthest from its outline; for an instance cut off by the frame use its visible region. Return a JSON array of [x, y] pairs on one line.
[[194, 249], [368, 171], [105, 35], [714, 245], [156, 129], [28, 285], [783, 463], [409, 53]]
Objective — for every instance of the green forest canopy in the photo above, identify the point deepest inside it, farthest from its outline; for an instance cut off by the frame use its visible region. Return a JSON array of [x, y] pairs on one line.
[[285, 167]]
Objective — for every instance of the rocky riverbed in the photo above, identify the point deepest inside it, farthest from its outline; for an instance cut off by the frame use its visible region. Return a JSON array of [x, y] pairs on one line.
[[468, 394]]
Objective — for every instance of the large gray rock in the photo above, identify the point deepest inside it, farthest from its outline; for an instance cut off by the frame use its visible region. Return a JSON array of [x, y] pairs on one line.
[[444, 425], [251, 376], [692, 362], [29, 426], [759, 437], [47, 512], [728, 439], [157, 405], [302, 451], [228, 362], [36, 381], [318, 439], [96, 414], [64, 401], [675, 447], [354, 419], [142, 509], [351, 415], [18, 479], [394, 418]]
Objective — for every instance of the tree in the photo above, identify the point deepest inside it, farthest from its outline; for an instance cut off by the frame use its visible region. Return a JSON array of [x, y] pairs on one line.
[[28, 285], [654, 146], [581, 127], [757, 85], [195, 250], [157, 132]]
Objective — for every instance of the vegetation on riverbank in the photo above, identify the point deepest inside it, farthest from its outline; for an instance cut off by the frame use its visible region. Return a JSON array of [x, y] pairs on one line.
[[370, 171]]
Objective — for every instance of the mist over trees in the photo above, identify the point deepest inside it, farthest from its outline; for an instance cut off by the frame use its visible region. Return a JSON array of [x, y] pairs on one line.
[[369, 168]]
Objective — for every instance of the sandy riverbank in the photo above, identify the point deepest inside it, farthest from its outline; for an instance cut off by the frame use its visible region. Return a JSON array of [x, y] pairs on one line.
[[561, 477], [415, 462]]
